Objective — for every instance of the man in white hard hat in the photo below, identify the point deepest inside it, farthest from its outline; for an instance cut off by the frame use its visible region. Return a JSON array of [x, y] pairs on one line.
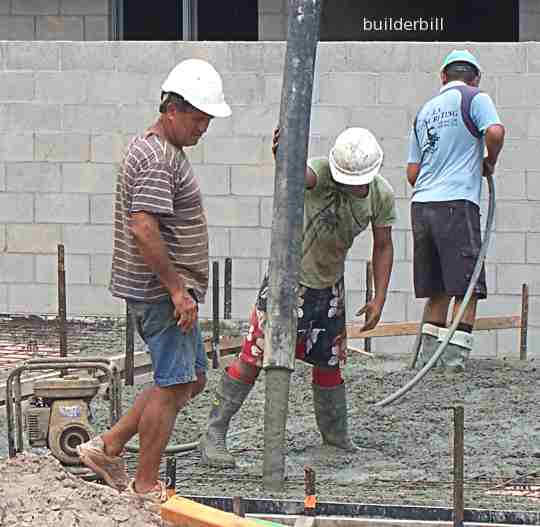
[[160, 267], [445, 167], [345, 193]]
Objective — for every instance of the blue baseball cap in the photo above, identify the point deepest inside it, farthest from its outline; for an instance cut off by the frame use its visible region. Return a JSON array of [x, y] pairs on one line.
[[461, 55]]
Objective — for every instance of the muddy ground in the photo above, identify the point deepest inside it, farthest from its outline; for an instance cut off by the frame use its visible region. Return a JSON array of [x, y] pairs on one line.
[[406, 454]]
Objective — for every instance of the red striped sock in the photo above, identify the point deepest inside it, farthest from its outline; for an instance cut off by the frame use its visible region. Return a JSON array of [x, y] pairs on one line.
[[237, 372], [326, 378]]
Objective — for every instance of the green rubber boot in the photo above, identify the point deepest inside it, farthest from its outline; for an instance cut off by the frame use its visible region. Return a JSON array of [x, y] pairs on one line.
[[331, 415], [229, 397], [457, 352], [430, 343]]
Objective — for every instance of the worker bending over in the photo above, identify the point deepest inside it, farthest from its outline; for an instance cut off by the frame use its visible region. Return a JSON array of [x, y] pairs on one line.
[[345, 193]]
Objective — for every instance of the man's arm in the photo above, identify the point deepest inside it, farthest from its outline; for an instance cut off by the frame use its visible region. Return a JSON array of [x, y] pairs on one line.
[[485, 117], [382, 259], [413, 169], [311, 177], [494, 140], [145, 230], [414, 157]]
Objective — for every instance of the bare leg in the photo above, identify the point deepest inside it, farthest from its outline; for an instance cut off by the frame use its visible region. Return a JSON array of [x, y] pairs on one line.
[[127, 426], [155, 427], [437, 310], [198, 386], [470, 311]]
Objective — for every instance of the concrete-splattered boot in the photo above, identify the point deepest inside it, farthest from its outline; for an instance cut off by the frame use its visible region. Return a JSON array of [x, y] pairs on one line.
[[331, 414], [430, 343], [228, 398], [458, 350]]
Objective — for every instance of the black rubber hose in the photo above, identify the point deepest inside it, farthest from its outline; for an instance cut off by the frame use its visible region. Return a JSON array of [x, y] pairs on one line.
[[451, 330]]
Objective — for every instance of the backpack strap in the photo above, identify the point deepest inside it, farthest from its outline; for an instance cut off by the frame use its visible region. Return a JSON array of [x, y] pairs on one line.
[[468, 93]]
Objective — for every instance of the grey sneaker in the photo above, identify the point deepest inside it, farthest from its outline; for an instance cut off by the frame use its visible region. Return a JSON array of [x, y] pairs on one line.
[[111, 468]]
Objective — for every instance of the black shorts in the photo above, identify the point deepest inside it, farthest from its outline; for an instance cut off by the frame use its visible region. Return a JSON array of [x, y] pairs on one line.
[[447, 241]]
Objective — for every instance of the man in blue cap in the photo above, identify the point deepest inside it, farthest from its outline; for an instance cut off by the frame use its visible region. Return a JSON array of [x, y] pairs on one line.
[[456, 139]]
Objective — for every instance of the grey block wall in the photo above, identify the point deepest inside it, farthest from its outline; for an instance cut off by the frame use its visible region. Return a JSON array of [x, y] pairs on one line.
[[54, 19], [67, 109]]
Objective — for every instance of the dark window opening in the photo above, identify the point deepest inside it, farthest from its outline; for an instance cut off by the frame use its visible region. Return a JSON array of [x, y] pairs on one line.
[[238, 20], [160, 20]]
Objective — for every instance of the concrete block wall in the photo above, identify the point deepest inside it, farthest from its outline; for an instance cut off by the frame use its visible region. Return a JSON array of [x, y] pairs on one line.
[[68, 109], [54, 19]]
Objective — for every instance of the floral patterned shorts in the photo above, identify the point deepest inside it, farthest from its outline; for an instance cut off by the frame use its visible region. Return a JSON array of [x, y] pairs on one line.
[[321, 337]]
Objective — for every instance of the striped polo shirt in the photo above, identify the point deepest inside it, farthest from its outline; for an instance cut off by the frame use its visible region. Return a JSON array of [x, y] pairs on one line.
[[157, 178]]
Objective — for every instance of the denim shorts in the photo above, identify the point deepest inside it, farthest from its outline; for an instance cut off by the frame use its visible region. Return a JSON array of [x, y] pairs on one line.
[[177, 357]]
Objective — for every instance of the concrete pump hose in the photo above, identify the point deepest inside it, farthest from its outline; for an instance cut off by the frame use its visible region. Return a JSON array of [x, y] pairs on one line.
[[451, 330]]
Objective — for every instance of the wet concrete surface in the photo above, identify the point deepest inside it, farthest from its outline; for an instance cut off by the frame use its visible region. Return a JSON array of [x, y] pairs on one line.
[[405, 454]]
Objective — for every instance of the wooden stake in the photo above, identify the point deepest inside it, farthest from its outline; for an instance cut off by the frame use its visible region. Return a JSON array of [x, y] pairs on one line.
[[62, 315], [458, 465], [369, 296], [524, 322]]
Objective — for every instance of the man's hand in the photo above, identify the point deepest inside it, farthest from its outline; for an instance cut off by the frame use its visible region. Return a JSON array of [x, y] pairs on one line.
[[488, 168], [185, 310], [373, 311], [413, 169], [275, 141]]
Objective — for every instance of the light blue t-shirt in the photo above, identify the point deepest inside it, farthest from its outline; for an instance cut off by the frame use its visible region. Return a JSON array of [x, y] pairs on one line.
[[450, 156]]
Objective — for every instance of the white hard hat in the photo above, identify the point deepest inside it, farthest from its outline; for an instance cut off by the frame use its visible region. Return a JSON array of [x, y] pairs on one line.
[[356, 157], [199, 84]]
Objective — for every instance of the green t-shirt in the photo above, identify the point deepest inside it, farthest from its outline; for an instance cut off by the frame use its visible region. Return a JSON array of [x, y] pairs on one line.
[[333, 218]]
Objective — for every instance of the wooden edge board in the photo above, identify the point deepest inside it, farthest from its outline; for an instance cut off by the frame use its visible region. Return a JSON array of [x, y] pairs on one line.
[[398, 329], [187, 513], [360, 350]]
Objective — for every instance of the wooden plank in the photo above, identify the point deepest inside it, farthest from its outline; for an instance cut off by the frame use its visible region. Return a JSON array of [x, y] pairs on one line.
[[487, 323], [399, 329], [187, 513], [361, 351], [227, 345]]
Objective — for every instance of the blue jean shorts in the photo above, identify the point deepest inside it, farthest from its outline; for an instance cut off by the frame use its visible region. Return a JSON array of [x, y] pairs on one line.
[[177, 357]]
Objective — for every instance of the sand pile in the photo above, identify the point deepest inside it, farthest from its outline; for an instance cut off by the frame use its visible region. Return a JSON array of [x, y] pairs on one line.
[[35, 491]]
